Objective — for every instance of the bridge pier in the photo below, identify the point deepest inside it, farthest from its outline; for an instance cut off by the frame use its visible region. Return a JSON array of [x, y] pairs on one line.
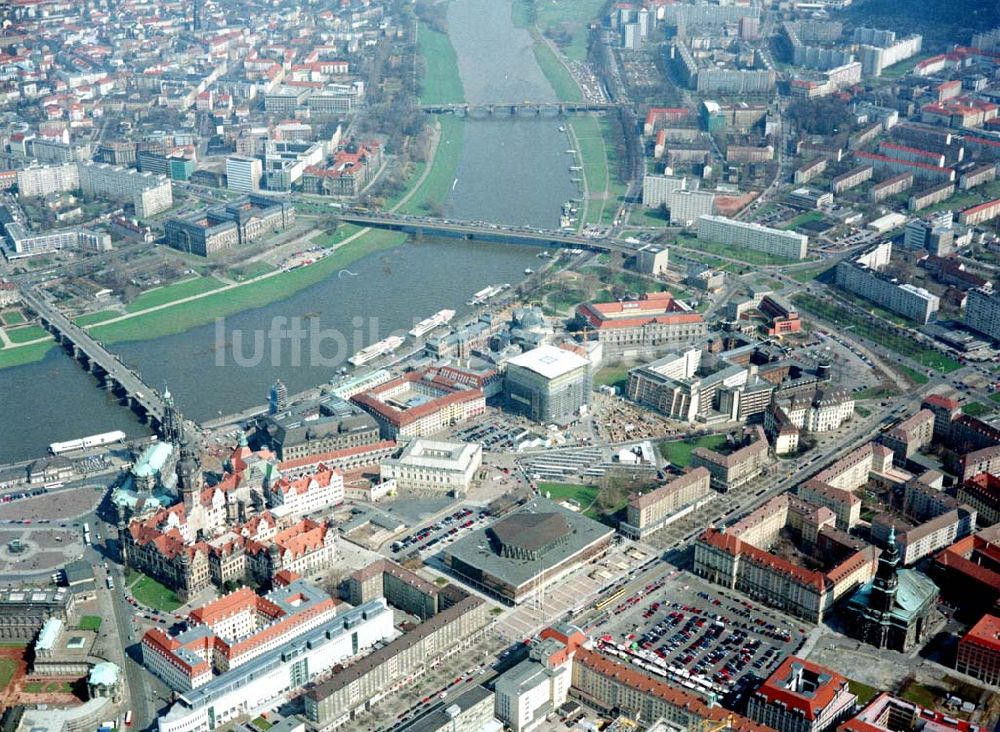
[[137, 407]]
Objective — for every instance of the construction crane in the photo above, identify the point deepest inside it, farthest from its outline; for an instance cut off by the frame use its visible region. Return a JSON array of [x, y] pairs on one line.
[[711, 725]]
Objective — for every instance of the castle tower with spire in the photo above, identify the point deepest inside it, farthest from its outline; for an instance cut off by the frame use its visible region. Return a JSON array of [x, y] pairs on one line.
[[189, 478], [172, 423]]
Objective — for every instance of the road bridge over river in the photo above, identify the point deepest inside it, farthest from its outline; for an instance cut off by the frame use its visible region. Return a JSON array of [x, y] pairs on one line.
[[519, 109], [125, 383], [482, 231]]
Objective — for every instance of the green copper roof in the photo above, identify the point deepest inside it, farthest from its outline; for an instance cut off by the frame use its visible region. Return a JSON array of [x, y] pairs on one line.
[[152, 460]]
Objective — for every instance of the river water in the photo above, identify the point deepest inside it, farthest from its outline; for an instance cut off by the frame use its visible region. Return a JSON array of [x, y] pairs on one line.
[[512, 171]]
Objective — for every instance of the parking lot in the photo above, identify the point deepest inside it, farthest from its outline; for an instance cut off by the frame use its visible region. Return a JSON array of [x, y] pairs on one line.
[[707, 640], [432, 538], [498, 435]]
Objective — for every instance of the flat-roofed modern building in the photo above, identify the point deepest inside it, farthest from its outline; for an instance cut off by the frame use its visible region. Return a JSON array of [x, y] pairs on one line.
[[527, 550], [22, 243], [41, 180], [776, 242], [548, 384], [862, 275], [150, 194], [243, 173]]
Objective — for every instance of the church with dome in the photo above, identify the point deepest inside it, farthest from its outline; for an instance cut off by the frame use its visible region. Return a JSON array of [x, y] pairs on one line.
[[894, 610]]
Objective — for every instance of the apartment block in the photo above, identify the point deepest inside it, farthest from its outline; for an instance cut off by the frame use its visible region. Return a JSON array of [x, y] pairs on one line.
[[890, 187], [862, 276], [43, 180], [852, 178], [775, 242], [150, 194], [982, 312], [333, 703], [738, 467], [649, 512]]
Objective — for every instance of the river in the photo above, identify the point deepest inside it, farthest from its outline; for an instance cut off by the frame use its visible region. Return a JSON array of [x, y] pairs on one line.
[[512, 171]]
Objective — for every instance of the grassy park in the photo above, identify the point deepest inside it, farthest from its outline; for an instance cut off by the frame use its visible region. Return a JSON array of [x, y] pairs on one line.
[[176, 291], [678, 452], [90, 622], [26, 333], [616, 376], [805, 274], [564, 21], [96, 317], [978, 409], [604, 190], [581, 495], [436, 187], [846, 318], [20, 355], [12, 317], [8, 666], [563, 83], [441, 83], [149, 592]]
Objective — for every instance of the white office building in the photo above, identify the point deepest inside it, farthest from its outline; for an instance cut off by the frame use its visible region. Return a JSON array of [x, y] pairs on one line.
[[776, 242], [530, 691], [243, 173], [22, 243], [434, 465]]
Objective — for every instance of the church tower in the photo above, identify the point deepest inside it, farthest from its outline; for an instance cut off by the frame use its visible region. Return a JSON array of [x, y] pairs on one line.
[[886, 582]]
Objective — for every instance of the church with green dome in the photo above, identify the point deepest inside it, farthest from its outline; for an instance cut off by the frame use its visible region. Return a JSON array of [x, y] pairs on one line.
[[893, 610]]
